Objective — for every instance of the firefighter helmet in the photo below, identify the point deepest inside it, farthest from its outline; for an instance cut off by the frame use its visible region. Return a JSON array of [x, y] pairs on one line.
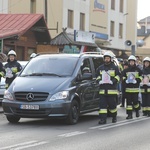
[[12, 52], [109, 54], [146, 59], [132, 57], [32, 55]]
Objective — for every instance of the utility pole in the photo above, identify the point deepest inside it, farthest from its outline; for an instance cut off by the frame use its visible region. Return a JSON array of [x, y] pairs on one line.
[[46, 11]]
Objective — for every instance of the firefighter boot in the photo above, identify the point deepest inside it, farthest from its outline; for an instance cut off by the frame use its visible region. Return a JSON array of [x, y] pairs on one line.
[[148, 114], [114, 119], [137, 113], [129, 116], [144, 113], [102, 121]]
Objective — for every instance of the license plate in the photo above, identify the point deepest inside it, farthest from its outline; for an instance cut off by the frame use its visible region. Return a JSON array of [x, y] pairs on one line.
[[31, 107]]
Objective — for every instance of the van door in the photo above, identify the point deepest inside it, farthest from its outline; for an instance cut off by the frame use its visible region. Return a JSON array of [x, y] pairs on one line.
[[96, 62], [86, 87]]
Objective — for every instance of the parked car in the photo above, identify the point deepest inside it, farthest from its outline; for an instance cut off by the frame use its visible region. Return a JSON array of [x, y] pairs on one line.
[[54, 85], [2, 83]]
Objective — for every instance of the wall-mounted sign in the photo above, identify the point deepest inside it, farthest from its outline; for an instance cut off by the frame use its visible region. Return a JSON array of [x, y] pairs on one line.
[[98, 6], [82, 36]]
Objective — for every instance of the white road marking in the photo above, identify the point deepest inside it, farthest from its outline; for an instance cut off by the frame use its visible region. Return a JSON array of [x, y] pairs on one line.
[[120, 123], [31, 145], [71, 134], [23, 145]]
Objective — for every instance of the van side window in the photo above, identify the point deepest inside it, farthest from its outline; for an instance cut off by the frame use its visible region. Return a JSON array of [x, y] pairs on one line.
[[97, 62], [86, 67]]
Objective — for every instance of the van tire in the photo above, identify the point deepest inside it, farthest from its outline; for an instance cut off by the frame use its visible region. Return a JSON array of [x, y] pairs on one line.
[[13, 119], [73, 113]]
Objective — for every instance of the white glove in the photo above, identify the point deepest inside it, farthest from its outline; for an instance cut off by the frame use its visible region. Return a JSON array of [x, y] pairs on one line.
[[111, 82], [141, 84], [127, 81], [100, 82], [134, 81]]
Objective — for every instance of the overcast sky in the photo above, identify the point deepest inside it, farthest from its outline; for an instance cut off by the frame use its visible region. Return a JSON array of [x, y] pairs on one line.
[[143, 9]]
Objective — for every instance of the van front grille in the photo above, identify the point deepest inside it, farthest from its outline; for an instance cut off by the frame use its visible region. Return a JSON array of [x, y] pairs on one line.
[[31, 96]]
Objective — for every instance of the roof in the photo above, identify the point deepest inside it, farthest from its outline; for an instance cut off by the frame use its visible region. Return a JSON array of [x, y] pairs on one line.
[[68, 39], [144, 20], [17, 24]]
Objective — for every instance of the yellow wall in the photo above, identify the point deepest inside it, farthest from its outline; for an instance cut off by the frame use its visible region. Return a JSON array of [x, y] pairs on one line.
[[54, 10], [55, 14], [98, 19], [131, 21]]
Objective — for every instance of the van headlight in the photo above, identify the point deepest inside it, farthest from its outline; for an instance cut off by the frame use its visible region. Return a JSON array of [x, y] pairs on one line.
[[59, 95], [8, 95]]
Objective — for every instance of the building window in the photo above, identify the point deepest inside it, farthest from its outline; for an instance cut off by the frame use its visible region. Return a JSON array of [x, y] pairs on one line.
[[121, 5], [112, 28], [82, 21], [70, 19], [113, 4], [33, 6], [120, 30]]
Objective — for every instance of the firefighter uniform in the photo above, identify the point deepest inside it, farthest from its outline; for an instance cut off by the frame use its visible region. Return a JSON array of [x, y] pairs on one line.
[[132, 77], [145, 87], [11, 68], [107, 90], [2, 71]]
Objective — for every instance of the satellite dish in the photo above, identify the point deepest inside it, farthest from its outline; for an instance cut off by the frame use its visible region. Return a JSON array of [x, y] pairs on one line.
[[140, 43]]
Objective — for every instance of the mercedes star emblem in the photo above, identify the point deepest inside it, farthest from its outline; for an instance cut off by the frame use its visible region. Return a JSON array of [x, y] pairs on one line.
[[30, 96]]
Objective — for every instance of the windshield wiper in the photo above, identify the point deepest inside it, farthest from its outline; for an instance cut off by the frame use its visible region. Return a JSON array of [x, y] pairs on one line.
[[51, 74], [41, 74]]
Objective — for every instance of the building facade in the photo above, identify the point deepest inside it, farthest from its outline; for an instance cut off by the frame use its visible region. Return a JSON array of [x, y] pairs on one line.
[[113, 21], [3, 6]]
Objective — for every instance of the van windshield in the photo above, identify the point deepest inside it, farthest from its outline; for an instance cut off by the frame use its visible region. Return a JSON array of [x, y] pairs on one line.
[[51, 66]]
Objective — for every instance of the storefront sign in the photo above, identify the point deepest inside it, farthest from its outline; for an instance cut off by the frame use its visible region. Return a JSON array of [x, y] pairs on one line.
[[82, 36]]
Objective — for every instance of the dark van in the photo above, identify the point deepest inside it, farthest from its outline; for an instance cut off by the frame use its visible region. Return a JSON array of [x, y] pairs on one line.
[[54, 85]]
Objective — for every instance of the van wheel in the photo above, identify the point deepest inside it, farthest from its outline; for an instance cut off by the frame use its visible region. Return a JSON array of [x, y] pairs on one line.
[[73, 113], [13, 119]]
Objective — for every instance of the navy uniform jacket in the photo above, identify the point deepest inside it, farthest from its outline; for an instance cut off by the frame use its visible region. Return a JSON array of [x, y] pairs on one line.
[[113, 72]]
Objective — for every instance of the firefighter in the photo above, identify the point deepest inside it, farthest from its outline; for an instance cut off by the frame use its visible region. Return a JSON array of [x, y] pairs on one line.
[[145, 87], [108, 76], [132, 77], [11, 67], [125, 66], [2, 71], [32, 55]]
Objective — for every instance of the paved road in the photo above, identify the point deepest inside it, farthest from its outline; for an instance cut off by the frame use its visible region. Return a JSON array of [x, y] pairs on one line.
[[43, 134]]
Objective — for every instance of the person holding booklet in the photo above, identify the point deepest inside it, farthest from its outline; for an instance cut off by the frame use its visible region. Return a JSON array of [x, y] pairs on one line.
[[107, 76], [145, 87], [132, 77]]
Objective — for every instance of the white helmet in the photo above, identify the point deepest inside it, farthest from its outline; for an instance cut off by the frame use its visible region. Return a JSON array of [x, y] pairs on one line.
[[109, 54], [12, 52], [32, 55], [146, 59], [132, 57]]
